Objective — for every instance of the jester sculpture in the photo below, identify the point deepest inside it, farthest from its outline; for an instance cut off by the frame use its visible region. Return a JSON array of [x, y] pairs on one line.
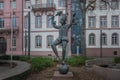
[[63, 34]]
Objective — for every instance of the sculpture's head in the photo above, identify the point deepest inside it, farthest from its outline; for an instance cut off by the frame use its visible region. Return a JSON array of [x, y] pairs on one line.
[[63, 19]]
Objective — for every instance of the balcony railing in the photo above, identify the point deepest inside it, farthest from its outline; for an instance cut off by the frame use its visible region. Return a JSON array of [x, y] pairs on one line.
[[44, 7], [8, 29]]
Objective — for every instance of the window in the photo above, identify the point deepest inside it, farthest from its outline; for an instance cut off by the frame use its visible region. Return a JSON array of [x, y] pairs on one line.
[[13, 22], [91, 39], [103, 5], [50, 3], [62, 3], [115, 21], [115, 39], [14, 41], [38, 41], [49, 40], [49, 22], [38, 1], [91, 21], [103, 21], [13, 4], [115, 4], [26, 22], [1, 5], [104, 39], [38, 22], [27, 3], [1, 23]]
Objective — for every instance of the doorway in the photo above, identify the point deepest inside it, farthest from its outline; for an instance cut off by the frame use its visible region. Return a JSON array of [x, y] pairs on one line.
[[3, 45]]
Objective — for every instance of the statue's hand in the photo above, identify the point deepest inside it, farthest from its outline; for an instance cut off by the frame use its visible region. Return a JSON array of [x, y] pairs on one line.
[[52, 18], [59, 13]]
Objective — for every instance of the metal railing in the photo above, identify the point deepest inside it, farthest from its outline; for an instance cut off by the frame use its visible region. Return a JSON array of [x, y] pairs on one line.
[[48, 5]]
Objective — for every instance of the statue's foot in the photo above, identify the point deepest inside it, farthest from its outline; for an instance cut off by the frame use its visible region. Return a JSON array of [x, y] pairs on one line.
[[63, 62], [57, 59]]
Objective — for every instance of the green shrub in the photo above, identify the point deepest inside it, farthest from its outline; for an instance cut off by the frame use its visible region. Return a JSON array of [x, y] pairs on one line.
[[117, 59], [77, 61], [8, 57], [40, 63], [24, 58], [5, 57]]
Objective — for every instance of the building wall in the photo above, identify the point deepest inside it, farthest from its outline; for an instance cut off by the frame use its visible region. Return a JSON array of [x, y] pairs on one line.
[[108, 49], [44, 31], [6, 34]]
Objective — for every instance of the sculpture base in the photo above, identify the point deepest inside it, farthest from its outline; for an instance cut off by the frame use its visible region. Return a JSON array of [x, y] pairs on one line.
[[58, 76]]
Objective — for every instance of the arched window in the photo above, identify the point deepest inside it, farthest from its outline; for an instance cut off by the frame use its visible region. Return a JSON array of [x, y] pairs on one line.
[[38, 41], [91, 39], [49, 40], [115, 39], [104, 39]]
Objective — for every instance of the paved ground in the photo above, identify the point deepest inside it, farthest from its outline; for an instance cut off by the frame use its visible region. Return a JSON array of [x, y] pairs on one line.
[[6, 72], [3, 69]]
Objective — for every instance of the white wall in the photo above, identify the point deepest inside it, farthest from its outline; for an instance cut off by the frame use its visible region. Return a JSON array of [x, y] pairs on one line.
[[108, 31], [44, 31]]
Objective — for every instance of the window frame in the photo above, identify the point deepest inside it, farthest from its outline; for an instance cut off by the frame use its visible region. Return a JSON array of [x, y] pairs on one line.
[[103, 21], [1, 5], [48, 19], [61, 1], [2, 22], [115, 6], [104, 39], [36, 21], [93, 42], [48, 42], [93, 22], [115, 39], [13, 4], [38, 44]]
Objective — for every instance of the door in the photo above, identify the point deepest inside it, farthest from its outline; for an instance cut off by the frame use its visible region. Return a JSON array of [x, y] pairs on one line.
[[2, 45]]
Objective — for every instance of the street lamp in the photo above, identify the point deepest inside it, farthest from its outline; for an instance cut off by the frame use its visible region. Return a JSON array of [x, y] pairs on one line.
[[101, 42], [11, 14], [29, 38], [66, 6]]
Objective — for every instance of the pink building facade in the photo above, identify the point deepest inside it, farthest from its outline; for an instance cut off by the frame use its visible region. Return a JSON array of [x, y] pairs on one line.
[[10, 15]]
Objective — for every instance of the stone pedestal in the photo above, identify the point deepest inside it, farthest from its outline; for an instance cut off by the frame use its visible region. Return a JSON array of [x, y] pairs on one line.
[[58, 76]]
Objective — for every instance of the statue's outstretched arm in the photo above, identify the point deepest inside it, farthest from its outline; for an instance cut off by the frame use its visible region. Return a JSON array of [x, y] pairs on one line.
[[54, 23], [73, 21]]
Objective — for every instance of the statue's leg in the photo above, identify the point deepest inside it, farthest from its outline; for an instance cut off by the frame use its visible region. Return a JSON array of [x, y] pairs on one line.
[[64, 44], [57, 41]]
